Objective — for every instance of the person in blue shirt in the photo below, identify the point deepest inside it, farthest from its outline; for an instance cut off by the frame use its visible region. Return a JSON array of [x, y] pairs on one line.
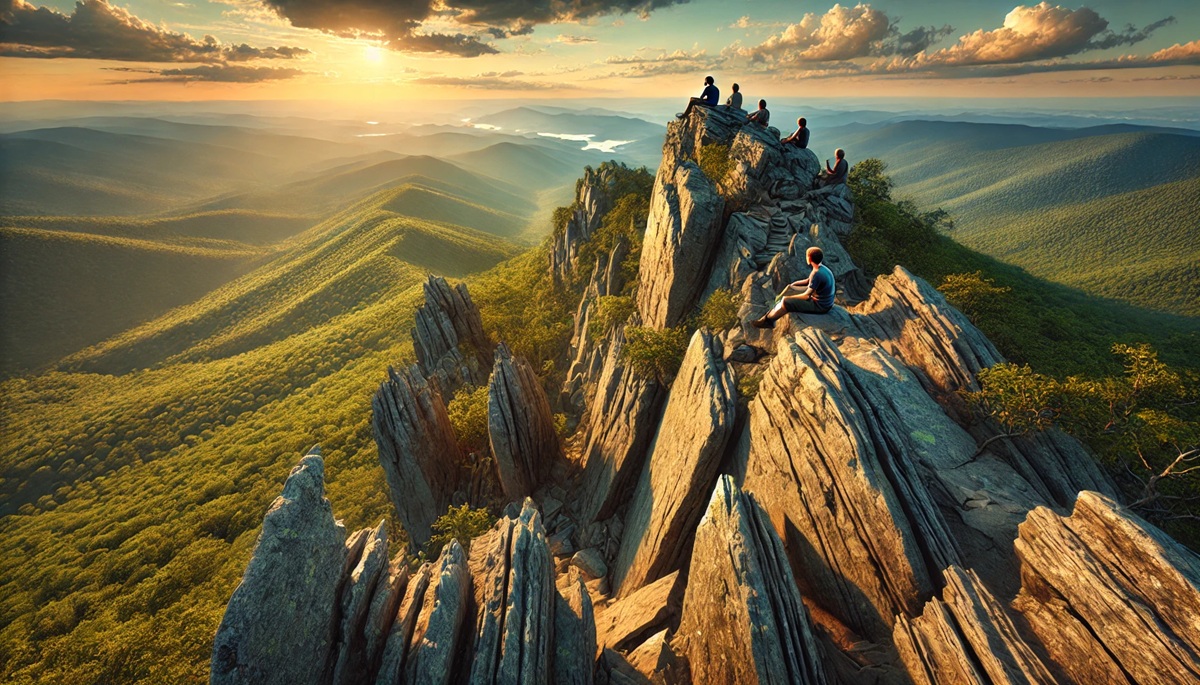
[[800, 137], [815, 292], [709, 97]]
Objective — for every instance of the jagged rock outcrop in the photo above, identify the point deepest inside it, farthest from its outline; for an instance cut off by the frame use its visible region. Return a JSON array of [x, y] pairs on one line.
[[629, 621], [682, 233], [1112, 598], [844, 494], [587, 348], [620, 425], [914, 323], [678, 476], [743, 620], [448, 339], [275, 629], [515, 599], [520, 426], [417, 449], [370, 597], [574, 632], [595, 194], [438, 630], [966, 637]]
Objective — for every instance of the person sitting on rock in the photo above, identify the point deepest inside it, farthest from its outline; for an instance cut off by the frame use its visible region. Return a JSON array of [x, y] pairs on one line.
[[800, 137], [815, 292], [735, 100], [709, 97], [836, 175], [760, 116]]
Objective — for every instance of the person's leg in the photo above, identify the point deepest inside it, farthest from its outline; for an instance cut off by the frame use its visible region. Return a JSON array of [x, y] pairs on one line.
[[687, 110], [801, 305]]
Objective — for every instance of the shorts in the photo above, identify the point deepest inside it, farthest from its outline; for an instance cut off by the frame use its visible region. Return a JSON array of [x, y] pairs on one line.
[[804, 306]]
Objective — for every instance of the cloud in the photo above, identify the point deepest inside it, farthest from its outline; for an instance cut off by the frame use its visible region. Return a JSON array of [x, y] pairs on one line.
[[842, 33], [220, 73], [574, 40], [403, 25], [489, 81], [98, 30], [1040, 32], [677, 62]]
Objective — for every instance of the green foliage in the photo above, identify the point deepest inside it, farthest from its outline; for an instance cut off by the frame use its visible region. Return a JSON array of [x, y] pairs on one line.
[[1143, 424], [974, 294], [869, 182], [520, 306], [560, 425], [748, 385], [720, 310], [468, 413], [610, 311], [714, 162], [1056, 330], [655, 352], [458, 523]]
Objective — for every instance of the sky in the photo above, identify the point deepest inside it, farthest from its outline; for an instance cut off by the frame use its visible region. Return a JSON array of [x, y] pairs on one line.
[[429, 50]]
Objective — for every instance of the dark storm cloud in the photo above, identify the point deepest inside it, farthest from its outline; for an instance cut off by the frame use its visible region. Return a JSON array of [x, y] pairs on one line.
[[98, 30]]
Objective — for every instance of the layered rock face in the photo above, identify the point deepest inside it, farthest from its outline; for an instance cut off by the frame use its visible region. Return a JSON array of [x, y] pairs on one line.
[[683, 230], [1112, 598], [695, 428], [452, 349], [520, 425], [743, 621], [417, 449], [850, 522]]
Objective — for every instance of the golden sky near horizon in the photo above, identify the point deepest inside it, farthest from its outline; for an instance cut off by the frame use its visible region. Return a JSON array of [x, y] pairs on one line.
[[396, 50]]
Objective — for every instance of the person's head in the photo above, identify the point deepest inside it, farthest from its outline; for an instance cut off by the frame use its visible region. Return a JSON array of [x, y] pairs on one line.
[[708, 80], [815, 256], [802, 122], [840, 154], [736, 87], [762, 104]]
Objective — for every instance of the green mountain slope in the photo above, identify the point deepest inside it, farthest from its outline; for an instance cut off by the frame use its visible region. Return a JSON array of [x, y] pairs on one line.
[[61, 291], [1065, 204], [426, 203], [253, 228], [1142, 247], [341, 263]]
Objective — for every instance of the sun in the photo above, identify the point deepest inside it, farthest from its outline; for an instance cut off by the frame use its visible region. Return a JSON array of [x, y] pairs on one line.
[[373, 53]]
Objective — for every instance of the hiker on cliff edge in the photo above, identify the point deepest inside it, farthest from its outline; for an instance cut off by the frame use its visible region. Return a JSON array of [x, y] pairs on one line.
[[800, 137], [815, 293], [836, 174], [708, 97]]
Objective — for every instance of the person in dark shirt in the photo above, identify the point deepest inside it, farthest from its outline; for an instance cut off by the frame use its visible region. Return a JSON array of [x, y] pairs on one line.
[[761, 115], [735, 100], [838, 173], [800, 137], [815, 292], [709, 97]]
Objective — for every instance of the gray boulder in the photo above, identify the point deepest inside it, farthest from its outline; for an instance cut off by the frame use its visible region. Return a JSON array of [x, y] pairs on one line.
[[448, 339], [275, 629], [515, 595]]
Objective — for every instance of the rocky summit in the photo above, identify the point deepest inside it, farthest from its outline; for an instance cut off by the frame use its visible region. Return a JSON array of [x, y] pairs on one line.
[[812, 503]]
